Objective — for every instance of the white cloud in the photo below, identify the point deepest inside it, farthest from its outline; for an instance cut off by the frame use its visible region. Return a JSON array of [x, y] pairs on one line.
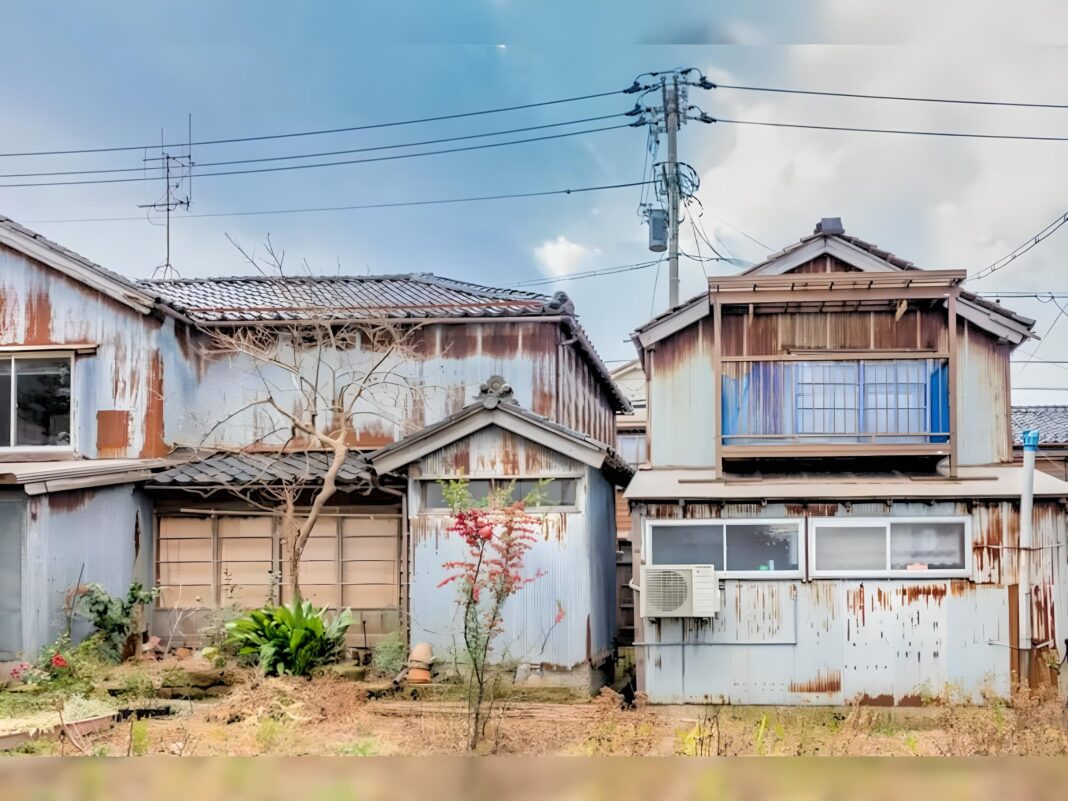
[[561, 256]]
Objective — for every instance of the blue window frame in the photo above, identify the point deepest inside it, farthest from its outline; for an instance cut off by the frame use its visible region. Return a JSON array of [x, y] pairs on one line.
[[838, 402]]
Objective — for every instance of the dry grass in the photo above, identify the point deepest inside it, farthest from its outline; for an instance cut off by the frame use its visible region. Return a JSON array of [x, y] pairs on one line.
[[329, 715]]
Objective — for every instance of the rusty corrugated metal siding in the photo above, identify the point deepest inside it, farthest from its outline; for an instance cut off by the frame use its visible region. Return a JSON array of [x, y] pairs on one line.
[[985, 399], [118, 389], [441, 375], [494, 452], [881, 641], [103, 535], [576, 551], [682, 391]]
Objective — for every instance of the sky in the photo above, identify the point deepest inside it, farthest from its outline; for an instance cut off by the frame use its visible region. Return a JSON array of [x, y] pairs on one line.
[[83, 75]]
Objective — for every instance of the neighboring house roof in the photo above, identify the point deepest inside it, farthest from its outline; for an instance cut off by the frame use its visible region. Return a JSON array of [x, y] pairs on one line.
[[995, 481], [829, 238], [495, 407], [37, 478], [416, 296], [295, 298], [1051, 422], [75, 266], [630, 378], [245, 469]]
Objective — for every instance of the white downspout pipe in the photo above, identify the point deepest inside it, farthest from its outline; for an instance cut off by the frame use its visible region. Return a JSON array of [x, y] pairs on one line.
[[1027, 497]]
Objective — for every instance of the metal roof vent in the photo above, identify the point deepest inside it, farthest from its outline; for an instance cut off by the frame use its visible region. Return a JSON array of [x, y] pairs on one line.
[[829, 226]]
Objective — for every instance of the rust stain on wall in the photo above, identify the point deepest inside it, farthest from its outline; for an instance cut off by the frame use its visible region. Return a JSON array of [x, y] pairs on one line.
[[926, 593], [70, 501], [38, 319], [855, 602], [112, 433], [875, 700], [829, 682], [153, 445]]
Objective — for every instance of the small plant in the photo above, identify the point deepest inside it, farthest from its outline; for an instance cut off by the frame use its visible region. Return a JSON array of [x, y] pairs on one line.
[[290, 640], [113, 616], [389, 654], [217, 645], [700, 741], [363, 747], [761, 734], [912, 744], [497, 536], [138, 745], [269, 733]]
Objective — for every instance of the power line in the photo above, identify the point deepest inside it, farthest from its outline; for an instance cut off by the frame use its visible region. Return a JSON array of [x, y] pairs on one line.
[[325, 153], [914, 99], [1061, 311], [623, 268], [813, 127], [1018, 251], [398, 204], [289, 167], [320, 132], [1020, 294]]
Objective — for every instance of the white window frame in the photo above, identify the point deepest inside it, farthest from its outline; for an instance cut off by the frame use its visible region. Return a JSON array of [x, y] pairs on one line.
[[816, 523], [420, 494], [763, 575], [22, 354]]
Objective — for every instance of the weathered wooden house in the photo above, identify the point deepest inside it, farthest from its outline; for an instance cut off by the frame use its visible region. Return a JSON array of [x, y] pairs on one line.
[[831, 511], [135, 431]]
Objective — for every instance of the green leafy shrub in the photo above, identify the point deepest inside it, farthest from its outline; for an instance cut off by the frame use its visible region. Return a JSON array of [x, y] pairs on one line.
[[389, 654], [292, 639], [114, 617]]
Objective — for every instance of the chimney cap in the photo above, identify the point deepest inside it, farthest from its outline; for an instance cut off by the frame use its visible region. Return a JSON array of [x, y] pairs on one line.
[[829, 226]]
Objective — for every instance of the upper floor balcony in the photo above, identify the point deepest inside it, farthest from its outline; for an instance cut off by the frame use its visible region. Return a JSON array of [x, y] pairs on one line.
[[777, 407]]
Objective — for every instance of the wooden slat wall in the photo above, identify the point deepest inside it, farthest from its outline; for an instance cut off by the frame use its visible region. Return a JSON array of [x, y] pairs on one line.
[[349, 562]]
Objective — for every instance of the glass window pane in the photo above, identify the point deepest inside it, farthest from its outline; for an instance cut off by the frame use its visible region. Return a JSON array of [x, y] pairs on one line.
[[763, 546], [540, 494], [433, 495], [927, 546], [42, 395], [686, 545], [850, 548], [5, 403]]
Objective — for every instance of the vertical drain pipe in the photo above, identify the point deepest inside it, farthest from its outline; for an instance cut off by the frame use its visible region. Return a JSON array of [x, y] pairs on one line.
[[1030, 448]]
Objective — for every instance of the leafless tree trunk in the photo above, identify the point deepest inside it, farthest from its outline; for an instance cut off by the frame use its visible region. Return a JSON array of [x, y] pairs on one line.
[[313, 376]]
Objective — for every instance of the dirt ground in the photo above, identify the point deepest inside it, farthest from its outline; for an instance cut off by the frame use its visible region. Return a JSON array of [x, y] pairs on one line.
[[330, 715]]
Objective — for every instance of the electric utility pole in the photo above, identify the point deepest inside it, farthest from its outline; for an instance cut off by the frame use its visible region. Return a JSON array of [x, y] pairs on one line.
[[674, 183], [670, 91]]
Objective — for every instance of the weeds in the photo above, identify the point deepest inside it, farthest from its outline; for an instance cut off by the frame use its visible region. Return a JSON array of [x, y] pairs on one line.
[[390, 654], [269, 734], [138, 742], [364, 747], [619, 731], [703, 740]]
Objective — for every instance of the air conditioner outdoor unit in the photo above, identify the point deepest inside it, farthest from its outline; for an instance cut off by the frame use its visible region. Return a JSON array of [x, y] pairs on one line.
[[679, 591]]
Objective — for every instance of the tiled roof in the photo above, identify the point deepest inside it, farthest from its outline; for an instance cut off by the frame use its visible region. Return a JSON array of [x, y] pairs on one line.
[[1050, 421], [254, 468], [417, 295]]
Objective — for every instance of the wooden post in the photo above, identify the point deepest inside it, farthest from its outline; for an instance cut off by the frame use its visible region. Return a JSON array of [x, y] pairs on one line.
[[717, 381], [954, 394]]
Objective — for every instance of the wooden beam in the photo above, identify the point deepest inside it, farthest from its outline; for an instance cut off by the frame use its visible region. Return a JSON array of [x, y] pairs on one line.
[[793, 450], [809, 355], [717, 372], [954, 394]]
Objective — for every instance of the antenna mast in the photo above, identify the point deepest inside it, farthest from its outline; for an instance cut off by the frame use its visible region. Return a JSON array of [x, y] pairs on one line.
[[177, 171]]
